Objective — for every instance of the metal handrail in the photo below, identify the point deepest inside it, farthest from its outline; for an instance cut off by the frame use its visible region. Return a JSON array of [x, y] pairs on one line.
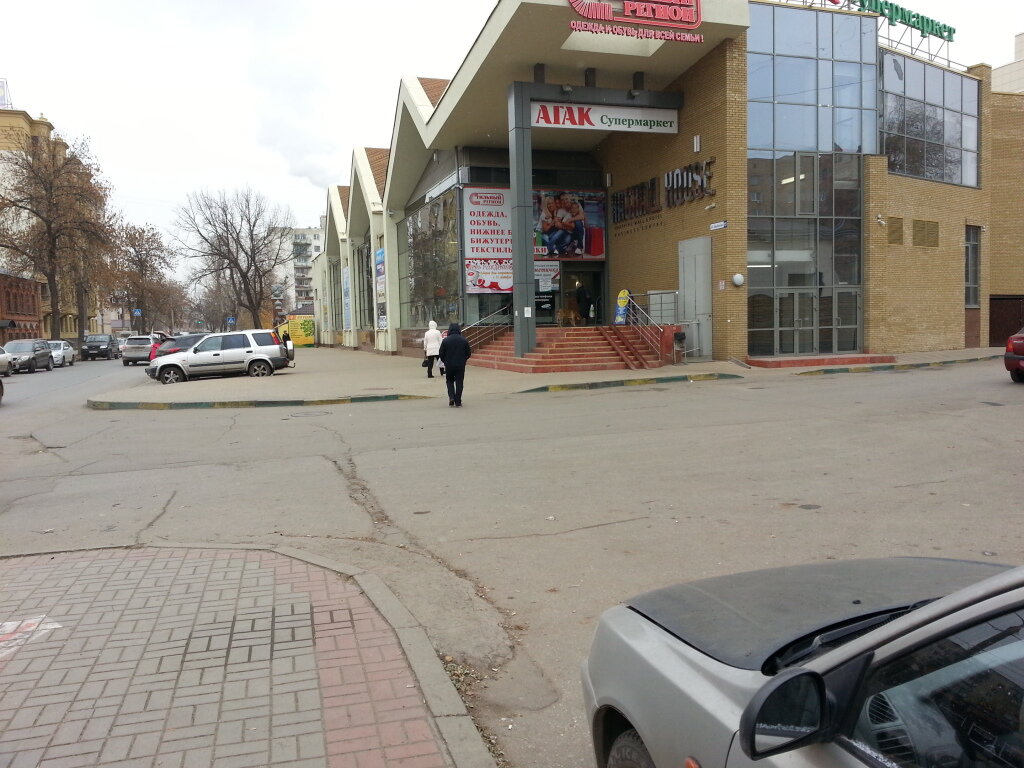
[[489, 331], [638, 317]]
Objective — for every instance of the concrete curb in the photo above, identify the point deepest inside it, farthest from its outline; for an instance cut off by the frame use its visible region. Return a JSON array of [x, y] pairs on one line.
[[897, 366], [456, 728], [632, 382], [111, 405]]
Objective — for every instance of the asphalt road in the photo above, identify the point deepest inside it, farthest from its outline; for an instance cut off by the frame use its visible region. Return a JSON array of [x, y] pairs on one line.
[[507, 526]]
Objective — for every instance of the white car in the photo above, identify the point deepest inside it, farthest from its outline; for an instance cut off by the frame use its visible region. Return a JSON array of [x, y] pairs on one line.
[[6, 364], [62, 353]]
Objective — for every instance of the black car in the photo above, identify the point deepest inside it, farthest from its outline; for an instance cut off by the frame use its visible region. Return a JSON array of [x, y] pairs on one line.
[[29, 355], [100, 345]]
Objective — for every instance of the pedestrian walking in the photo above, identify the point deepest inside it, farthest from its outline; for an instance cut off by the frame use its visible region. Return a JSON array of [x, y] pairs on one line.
[[431, 346], [454, 353]]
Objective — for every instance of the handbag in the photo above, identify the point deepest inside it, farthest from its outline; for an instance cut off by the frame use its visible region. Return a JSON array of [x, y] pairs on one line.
[[425, 363]]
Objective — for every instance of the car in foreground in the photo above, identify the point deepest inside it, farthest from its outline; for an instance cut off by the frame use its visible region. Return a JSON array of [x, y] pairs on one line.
[[62, 353], [258, 352], [1013, 358], [6, 366], [137, 349], [890, 663], [100, 345], [29, 355], [177, 344]]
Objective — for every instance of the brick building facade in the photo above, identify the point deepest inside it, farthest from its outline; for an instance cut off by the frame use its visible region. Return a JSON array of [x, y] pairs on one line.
[[20, 308]]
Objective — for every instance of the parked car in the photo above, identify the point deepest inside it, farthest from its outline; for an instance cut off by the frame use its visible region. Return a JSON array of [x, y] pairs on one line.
[[62, 353], [6, 366], [912, 662], [255, 352], [100, 345], [177, 344], [137, 349], [30, 355], [1013, 359]]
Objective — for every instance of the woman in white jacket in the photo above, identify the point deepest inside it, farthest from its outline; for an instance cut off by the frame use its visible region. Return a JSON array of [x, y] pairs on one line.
[[431, 345]]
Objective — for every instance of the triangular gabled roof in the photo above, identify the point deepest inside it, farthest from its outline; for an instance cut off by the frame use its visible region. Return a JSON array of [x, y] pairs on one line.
[[434, 88], [378, 166], [343, 195]]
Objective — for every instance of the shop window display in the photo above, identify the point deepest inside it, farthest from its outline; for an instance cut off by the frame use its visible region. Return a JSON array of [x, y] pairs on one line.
[[429, 270]]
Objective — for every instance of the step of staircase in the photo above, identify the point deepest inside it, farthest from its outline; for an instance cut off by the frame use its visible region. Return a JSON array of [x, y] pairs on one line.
[[561, 350]]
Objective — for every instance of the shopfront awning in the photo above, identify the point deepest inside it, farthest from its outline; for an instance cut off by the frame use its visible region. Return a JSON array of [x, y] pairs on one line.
[[8, 324]]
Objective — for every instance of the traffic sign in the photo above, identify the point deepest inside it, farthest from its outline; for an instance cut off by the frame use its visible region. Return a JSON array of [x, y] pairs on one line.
[[136, 313], [231, 321]]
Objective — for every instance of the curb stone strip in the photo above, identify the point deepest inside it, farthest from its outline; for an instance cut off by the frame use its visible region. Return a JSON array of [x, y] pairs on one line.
[[110, 405], [458, 732], [632, 382], [897, 366]]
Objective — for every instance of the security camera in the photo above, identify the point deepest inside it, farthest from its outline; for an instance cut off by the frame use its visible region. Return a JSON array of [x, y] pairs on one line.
[[880, 220]]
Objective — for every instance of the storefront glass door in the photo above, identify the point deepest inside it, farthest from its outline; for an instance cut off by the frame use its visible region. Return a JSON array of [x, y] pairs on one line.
[[795, 322]]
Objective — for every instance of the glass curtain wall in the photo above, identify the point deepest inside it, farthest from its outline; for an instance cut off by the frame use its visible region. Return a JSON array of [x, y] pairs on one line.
[[364, 286], [428, 263], [929, 121], [812, 114]]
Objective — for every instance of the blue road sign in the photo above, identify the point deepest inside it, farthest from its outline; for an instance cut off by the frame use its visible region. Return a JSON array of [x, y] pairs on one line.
[[231, 321], [136, 313]]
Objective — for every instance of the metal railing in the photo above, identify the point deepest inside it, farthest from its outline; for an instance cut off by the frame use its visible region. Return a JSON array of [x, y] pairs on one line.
[[487, 329], [640, 318]]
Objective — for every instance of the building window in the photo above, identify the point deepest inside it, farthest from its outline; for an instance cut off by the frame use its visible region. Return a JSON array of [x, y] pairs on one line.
[[429, 269], [972, 267], [929, 122]]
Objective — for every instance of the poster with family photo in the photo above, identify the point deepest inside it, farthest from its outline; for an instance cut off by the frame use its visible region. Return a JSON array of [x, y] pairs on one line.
[[569, 224]]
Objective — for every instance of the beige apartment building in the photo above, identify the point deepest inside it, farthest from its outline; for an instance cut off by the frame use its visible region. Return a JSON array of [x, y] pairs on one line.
[[779, 179]]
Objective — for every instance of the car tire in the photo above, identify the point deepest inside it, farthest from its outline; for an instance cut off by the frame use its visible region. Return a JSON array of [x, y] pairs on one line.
[[72, 362], [49, 364], [170, 374], [260, 368], [32, 366], [8, 372], [1017, 376], [124, 363], [628, 751]]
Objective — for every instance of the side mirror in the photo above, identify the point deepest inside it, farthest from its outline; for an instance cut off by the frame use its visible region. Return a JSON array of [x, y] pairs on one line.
[[786, 714]]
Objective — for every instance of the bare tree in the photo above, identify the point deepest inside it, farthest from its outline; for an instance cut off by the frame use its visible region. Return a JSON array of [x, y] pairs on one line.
[[143, 262], [52, 210], [240, 237]]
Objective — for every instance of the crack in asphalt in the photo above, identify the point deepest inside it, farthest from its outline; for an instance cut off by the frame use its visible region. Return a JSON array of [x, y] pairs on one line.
[[155, 520], [558, 533]]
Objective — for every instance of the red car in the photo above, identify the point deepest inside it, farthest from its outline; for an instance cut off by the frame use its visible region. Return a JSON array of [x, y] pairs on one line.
[[1014, 357]]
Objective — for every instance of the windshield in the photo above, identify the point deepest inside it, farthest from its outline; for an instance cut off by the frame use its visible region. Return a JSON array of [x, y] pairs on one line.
[[54, 344], [19, 346], [97, 338]]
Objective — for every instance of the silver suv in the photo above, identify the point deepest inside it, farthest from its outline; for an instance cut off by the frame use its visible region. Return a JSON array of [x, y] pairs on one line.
[[256, 352]]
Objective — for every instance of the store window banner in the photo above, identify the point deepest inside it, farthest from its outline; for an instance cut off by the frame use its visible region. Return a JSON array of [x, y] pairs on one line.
[[595, 117], [568, 224]]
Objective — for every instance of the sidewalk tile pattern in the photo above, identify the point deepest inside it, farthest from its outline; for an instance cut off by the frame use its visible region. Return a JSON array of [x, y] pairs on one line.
[[153, 658]]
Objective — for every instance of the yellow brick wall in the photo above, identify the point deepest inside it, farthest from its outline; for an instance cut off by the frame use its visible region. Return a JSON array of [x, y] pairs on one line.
[[644, 253], [1005, 237]]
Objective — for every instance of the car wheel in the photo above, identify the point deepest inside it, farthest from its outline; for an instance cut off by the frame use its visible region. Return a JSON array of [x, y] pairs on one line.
[[260, 368], [8, 371], [628, 751], [124, 363], [1017, 376], [32, 366], [49, 364], [171, 375], [72, 361]]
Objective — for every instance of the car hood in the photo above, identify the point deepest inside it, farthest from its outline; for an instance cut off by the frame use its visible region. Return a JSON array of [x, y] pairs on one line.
[[744, 619]]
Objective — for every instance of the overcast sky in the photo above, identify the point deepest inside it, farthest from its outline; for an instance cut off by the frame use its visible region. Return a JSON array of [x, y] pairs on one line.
[[180, 95]]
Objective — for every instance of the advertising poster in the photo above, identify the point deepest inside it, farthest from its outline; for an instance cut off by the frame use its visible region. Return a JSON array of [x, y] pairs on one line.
[[568, 224], [346, 299], [381, 290]]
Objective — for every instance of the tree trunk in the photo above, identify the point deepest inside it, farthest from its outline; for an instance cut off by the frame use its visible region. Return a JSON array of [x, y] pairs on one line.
[[83, 312], [51, 283]]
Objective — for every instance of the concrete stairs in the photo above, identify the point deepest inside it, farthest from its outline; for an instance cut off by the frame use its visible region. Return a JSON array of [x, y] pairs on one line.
[[562, 350]]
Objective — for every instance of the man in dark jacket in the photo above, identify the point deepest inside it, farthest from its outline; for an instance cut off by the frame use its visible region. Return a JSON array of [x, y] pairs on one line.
[[454, 353]]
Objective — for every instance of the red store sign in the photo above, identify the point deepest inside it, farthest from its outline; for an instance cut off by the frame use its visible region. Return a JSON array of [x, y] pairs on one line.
[[676, 14]]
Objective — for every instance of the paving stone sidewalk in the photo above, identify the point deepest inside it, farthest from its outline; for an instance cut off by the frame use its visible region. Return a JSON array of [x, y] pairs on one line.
[[188, 658]]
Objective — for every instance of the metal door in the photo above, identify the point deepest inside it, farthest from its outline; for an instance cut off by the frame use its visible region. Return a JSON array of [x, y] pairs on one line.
[[695, 293]]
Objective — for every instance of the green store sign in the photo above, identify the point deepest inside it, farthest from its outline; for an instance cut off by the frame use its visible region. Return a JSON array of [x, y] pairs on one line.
[[897, 14]]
